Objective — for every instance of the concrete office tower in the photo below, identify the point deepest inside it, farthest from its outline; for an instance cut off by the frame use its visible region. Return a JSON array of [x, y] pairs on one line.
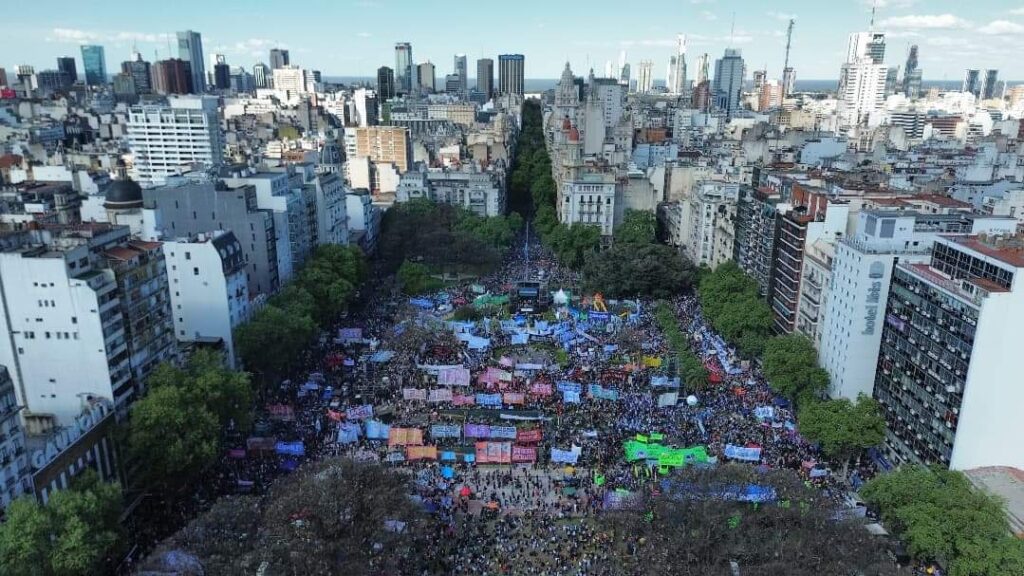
[[912, 75], [403, 67], [485, 77], [861, 91], [676, 81], [891, 80], [94, 63], [261, 75], [972, 82], [385, 145], [427, 76], [759, 77], [190, 49], [990, 84], [462, 73], [727, 87], [172, 76], [645, 78], [172, 139], [511, 73], [85, 312], [211, 295], [948, 374], [279, 58], [140, 72], [66, 66]]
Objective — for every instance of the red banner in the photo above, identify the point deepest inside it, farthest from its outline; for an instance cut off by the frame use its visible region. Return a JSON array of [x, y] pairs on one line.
[[524, 454], [463, 400], [513, 398], [529, 436], [493, 452], [539, 389], [421, 453]]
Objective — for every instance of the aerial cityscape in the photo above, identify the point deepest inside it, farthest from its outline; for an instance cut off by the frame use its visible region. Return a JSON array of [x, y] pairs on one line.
[[698, 287]]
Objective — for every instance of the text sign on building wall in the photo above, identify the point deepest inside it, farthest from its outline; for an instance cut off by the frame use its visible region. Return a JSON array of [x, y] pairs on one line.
[[64, 438], [875, 274]]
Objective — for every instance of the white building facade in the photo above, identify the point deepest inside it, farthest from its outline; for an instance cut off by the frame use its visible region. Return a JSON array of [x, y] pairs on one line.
[[169, 140]]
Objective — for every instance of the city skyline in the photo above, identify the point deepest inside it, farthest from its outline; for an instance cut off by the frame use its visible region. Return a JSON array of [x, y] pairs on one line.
[[952, 37]]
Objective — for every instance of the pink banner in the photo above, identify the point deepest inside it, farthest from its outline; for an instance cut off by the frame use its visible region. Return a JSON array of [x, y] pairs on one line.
[[421, 453], [529, 436], [493, 452], [414, 393], [405, 437], [513, 398], [463, 400], [538, 389], [506, 362], [524, 454]]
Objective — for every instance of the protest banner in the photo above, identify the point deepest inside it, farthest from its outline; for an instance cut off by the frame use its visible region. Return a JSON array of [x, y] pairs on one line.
[[540, 389], [405, 437], [742, 453], [477, 430], [764, 412], [570, 397], [421, 452], [524, 454], [453, 377], [439, 395], [565, 456], [513, 398], [377, 430], [359, 412], [503, 432], [445, 431], [488, 399], [565, 386], [463, 400], [348, 433], [349, 335], [281, 412], [668, 399], [414, 394], [529, 436]]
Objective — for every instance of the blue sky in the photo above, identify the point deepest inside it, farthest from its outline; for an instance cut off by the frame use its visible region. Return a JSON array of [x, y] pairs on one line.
[[354, 37]]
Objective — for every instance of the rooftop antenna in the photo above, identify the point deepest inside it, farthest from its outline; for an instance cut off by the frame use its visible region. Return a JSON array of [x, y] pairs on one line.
[[874, 4], [732, 29]]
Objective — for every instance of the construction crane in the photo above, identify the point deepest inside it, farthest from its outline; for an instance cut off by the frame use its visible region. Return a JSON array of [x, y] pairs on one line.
[[785, 66]]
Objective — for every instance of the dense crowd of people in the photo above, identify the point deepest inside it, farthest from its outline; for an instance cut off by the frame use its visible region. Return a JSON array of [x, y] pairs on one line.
[[525, 517]]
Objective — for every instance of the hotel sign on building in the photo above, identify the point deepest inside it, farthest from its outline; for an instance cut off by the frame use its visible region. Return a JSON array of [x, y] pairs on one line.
[[874, 297]]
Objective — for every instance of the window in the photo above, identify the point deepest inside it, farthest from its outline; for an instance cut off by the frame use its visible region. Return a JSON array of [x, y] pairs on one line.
[[195, 271], [188, 255], [47, 335], [74, 319]]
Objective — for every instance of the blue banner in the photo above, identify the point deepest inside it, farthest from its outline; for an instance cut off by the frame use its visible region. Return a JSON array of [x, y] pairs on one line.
[[570, 397], [566, 456], [503, 432], [488, 399], [565, 386], [445, 431], [377, 430], [742, 453]]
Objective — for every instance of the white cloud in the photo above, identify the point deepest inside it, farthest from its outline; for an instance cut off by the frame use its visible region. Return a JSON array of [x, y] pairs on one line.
[[708, 15], [781, 15], [1017, 11], [925, 22], [77, 36], [142, 37], [1001, 27], [888, 3], [650, 42], [364, 34], [703, 1], [73, 35]]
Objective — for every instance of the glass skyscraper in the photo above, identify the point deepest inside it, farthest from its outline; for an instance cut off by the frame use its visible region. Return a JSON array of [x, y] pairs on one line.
[[190, 49], [403, 67], [95, 65]]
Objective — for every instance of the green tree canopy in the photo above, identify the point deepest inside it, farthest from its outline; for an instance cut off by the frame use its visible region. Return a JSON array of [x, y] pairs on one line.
[[731, 304], [637, 227], [843, 428], [638, 269], [689, 368], [71, 536], [332, 276], [941, 516], [274, 339], [791, 366], [416, 279]]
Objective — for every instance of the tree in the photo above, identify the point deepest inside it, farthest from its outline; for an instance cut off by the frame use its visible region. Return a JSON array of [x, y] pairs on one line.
[[72, 535], [791, 366], [637, 227], [416, 279], [697, 525], [638, 269], [226, 393], [941, 516], [332, 277], [334, 517], [843, 428], [273, 340], [731, 303], [173, 437]]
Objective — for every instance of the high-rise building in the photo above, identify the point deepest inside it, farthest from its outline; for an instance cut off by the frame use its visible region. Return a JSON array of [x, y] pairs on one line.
[[66, 65], [949, 349], [221, 73], [279, 58], [293, 79], [703, 69], [866, 46], [168, 140], [727, 87], [261, 75], [190, 49], [485, 76], [644, 77], [990, 84], [972, 82], [3, 77], [140, 72], [403, 67], [676, 80], [511, 73], [172, 76], [427, 74], [788, 81], [385, 144], [912, 75], [463, 74], [892, 80], [759, 77], [385, 83], [100, 316], [94, 63], [861, 91]]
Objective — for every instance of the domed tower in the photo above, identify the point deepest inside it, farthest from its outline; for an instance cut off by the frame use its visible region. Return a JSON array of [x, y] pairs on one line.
[[567, 97], [330, 159], [123, 192], [572, 161]]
